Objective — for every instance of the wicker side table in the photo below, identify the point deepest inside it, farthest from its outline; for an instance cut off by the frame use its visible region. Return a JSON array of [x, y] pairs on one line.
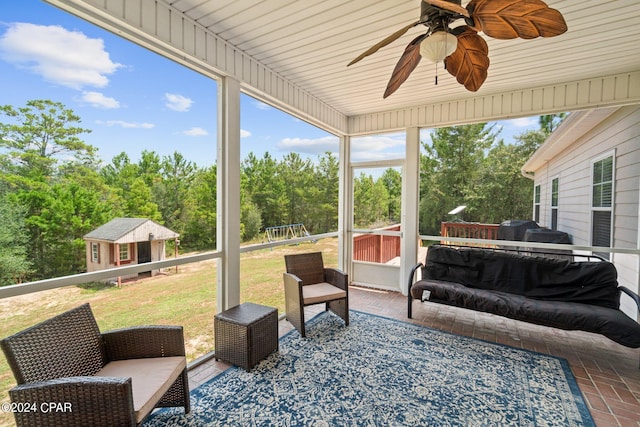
[[246, 334]]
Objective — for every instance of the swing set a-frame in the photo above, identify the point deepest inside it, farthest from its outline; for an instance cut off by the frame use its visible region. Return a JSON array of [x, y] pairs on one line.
[[285, 232]]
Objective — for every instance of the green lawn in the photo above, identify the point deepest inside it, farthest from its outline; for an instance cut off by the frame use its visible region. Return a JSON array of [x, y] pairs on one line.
[[186, 298]]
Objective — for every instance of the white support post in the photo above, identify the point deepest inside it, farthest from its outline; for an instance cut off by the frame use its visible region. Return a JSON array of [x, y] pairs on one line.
[[409, 206], [345, 208], [228, 195]]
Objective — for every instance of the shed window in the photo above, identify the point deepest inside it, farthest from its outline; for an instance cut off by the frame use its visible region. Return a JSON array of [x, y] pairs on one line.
[[124, 253], [95, 252]]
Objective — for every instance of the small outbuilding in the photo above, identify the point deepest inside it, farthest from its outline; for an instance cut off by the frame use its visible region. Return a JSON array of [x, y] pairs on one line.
[[126, 241]]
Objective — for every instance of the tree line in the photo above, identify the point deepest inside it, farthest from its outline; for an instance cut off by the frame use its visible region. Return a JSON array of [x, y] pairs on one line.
[[54, 189]]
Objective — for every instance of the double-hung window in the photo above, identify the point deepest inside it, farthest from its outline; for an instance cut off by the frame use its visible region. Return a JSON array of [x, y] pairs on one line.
[[602, 202]]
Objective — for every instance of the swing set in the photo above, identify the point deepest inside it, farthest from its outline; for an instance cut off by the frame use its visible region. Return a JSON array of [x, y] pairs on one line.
[[285, 232]]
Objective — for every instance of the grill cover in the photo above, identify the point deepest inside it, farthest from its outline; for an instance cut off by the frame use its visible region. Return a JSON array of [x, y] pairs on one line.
[[544, 235], [515, 229]]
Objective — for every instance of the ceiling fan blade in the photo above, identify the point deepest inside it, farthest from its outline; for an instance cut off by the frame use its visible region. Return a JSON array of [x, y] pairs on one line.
[[470, 62], [451, 7], [406, 64], [383, 43], [510, 19]]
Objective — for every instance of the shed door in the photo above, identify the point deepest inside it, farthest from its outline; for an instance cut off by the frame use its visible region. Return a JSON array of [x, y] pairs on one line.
[[144, 252]]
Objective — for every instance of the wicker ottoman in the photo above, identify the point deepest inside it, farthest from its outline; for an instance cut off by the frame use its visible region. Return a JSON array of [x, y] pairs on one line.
[[246, 334]]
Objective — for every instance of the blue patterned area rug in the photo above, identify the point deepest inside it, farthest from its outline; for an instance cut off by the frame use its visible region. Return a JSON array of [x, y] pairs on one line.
[[384, 372]]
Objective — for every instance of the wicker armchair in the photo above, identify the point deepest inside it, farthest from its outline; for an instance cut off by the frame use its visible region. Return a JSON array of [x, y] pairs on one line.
[[70, 374], [307, 282]]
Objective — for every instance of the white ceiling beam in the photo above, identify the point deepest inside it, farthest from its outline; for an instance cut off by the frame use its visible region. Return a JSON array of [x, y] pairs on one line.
[[616, 90]]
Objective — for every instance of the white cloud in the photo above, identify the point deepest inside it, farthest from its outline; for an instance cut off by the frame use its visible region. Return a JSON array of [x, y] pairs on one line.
[[177, 102], [261, 105], [522, 122], [366, 148], [310, 146], [60, 56], [126, 125], [377, 143], [98, 100], [244, 133], [196, 131]]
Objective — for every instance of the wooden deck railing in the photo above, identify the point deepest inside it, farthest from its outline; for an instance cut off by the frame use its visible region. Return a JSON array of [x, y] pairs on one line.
[[468, 230], [376, 248], [382, 249]]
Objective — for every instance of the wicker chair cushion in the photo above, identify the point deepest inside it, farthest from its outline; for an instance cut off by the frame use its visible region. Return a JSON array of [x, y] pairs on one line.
[[150, 379], [321, 292]]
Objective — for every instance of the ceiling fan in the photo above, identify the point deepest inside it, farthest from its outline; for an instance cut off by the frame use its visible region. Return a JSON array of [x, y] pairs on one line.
[[463, 50]]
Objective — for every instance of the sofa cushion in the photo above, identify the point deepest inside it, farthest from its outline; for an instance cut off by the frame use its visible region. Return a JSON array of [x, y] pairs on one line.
[[593, 283], [150, 379], [321, 292], [609, 322]]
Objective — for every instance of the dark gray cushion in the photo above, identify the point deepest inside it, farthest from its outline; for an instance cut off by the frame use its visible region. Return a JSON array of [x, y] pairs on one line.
[[593, 283], [609, 322]]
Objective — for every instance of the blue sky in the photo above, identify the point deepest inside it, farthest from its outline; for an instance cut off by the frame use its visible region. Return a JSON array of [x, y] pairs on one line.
[[135, 100]]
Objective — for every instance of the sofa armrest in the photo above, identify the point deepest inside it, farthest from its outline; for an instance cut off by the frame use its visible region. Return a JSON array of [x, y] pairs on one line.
[[74, 401], [632, 294], [144, 341], [412, 274], [337, 278]]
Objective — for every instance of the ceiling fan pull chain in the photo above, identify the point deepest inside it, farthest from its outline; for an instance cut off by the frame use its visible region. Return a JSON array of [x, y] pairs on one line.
[[436, 73]]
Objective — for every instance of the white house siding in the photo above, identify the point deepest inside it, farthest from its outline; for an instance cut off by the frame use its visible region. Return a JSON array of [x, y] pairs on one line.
[[618, 134]]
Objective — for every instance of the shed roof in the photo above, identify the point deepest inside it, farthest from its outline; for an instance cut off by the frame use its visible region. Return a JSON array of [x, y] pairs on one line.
[[127, 230]]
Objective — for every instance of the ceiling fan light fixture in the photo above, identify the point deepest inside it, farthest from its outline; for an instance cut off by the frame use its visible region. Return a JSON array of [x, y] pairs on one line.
[[438, 46]]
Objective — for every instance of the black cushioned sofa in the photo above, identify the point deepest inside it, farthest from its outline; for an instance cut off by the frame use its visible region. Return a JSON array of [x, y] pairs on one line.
[[565, 294]]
